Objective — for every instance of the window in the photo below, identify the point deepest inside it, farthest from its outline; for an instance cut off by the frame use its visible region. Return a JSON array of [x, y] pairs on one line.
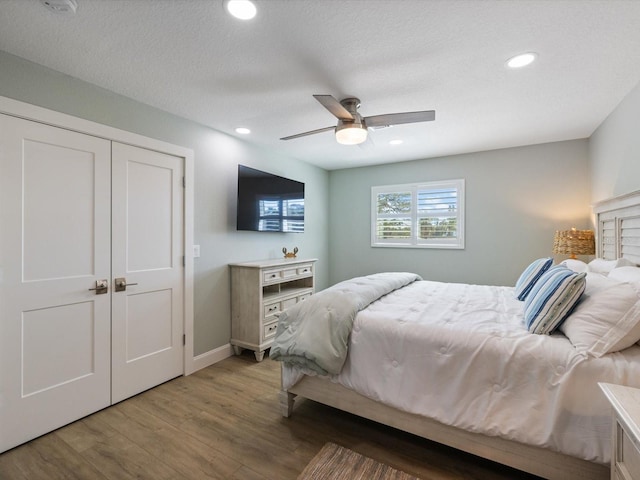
[[422, 215]]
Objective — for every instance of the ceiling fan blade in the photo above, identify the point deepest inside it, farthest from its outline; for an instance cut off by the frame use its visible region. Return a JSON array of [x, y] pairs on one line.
[[312, 132], [334, 106], [399, 118]]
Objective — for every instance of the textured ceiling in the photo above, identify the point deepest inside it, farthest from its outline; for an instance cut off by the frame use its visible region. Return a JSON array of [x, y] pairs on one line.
[[190, 58]]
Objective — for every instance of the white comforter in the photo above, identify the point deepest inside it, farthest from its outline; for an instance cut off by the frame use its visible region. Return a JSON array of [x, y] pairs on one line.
[[460, 354], [329, 315]]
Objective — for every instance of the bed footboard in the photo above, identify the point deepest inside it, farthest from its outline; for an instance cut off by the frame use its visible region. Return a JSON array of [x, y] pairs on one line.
[[538, 461]]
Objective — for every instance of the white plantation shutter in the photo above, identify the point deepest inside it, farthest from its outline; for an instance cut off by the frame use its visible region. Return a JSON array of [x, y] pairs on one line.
[[393, 222], [427, 215]]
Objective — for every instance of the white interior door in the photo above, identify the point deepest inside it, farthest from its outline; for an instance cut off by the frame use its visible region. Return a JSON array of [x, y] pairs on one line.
[[55, 243], [75, 210], [147, 319]]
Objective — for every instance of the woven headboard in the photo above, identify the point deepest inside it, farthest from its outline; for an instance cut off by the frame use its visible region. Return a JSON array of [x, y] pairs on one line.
[[618, 227]]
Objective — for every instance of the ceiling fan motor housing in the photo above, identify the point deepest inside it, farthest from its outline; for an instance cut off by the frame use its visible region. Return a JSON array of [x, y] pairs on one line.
[[352, 104], [357, 122]]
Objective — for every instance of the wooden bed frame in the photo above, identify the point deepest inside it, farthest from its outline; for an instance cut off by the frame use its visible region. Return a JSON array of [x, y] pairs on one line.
[[618, 235], [535, 460]]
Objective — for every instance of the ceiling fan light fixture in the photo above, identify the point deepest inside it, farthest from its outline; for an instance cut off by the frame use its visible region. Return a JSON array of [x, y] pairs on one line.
[[352, 128], [351, 134]]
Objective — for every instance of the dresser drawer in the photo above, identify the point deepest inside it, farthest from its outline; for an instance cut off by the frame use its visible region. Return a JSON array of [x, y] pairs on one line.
[[304, 269], [269, 330], [271, 276], [288, 273], [628, 457], [289, 302], [271, 309]]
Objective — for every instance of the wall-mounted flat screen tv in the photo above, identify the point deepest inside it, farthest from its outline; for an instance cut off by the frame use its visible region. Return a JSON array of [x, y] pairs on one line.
[[269, 203]]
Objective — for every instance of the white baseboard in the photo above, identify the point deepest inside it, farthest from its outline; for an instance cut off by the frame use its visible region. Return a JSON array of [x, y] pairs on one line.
[[209, 358]]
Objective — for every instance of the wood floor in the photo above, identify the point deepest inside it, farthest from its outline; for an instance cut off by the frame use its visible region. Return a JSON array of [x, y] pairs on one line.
[[224, 422]]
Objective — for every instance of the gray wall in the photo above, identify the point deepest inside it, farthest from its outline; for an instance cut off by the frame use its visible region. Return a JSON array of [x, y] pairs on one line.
[[515, 199], [614, 151], [216, 158]]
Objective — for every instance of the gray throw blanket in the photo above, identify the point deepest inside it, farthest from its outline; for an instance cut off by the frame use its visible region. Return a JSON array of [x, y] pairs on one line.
[[315, 333]]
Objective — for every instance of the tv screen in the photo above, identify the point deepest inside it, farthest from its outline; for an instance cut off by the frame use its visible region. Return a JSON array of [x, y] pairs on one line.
[[269, 203]]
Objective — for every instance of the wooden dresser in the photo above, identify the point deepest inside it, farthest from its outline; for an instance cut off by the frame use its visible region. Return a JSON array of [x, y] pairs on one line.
[[259, 291], [625, 438]]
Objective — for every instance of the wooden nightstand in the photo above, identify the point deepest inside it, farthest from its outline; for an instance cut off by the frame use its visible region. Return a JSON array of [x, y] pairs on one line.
[[625, 439]]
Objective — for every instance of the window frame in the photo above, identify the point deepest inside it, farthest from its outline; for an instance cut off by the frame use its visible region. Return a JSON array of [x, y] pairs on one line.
[[413, 241]]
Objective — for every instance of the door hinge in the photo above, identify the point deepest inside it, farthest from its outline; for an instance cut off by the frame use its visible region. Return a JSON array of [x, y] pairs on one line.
[[184, 182], [184, 260], [184, 339]]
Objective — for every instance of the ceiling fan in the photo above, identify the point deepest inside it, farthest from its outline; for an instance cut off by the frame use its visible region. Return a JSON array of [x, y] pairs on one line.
[[352, 128]]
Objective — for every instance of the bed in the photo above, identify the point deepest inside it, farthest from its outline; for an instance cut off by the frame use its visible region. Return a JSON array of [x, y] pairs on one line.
[[530, 401]]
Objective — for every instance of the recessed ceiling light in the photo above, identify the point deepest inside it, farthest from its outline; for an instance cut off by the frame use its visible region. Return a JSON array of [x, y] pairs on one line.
[[395, 142], [242, 9], [521, 60], [243, 131]]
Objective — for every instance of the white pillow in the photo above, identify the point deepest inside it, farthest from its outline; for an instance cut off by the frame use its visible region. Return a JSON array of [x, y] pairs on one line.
[[600, 265], [577, 266], [607, 317], [626, 274], [598, 281]]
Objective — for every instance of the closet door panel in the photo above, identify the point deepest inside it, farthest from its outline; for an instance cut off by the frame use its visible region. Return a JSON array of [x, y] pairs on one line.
[[55, 220], [148, 249]]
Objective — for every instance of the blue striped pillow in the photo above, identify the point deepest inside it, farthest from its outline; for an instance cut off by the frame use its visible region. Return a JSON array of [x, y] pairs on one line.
[[530, 276], [552, 299]]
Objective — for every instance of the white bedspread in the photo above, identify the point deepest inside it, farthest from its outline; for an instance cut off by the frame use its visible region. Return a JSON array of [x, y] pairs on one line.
[[461, 354], [329, 316]]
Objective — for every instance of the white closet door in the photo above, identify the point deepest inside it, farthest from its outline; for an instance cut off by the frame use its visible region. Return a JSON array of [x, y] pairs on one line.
[[147, 319], [55, 244]]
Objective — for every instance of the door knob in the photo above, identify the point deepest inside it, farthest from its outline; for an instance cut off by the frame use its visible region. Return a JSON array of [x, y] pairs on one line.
[[121, 284], [102, 286]]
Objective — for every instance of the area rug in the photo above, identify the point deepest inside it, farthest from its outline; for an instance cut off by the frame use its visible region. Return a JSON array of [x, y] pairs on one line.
[[334, 462]]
